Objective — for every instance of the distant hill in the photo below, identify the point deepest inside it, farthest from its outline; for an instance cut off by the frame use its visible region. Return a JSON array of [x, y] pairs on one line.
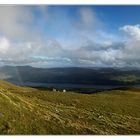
[[75, 75], [25, 110]]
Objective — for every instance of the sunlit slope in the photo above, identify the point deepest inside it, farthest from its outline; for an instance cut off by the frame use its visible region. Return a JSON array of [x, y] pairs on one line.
[[30, 111]]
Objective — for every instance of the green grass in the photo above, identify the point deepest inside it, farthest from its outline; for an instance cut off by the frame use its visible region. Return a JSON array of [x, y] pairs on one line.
[[25, 110]]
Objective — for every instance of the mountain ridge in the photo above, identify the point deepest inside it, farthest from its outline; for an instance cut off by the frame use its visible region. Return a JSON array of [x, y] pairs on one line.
[[73, 75]]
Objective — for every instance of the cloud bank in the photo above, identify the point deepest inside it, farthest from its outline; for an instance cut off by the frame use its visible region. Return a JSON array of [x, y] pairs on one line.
[[22, 41]]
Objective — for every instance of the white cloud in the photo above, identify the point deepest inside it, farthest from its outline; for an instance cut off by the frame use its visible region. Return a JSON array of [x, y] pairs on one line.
[[18, 22], [13, 20], [132, 30], [87, 21], [4, 45], [111, 53], [21, 43], [30, 52], [88, 17]]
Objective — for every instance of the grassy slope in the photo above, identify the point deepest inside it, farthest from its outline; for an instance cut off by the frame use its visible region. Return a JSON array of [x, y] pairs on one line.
[[32, 111]]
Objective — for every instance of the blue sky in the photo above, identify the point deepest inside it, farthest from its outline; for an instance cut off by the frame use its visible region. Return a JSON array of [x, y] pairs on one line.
[[112, 17], [65, 36]]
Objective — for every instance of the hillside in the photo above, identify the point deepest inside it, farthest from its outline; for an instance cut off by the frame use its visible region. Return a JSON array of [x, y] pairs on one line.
[[25, 110], [74, 75]]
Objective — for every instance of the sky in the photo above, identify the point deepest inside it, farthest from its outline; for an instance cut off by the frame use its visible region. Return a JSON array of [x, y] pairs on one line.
[[70, 36]]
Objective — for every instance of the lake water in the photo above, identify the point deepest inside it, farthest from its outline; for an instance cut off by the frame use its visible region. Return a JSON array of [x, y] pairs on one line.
[[81, 88], [67, 85]]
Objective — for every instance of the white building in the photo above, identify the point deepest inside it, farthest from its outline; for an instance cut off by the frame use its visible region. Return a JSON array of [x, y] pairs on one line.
[[54, 90], [64, 90]]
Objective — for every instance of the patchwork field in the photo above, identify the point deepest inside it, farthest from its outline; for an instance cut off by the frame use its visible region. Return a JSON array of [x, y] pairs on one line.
[[25, 110]]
